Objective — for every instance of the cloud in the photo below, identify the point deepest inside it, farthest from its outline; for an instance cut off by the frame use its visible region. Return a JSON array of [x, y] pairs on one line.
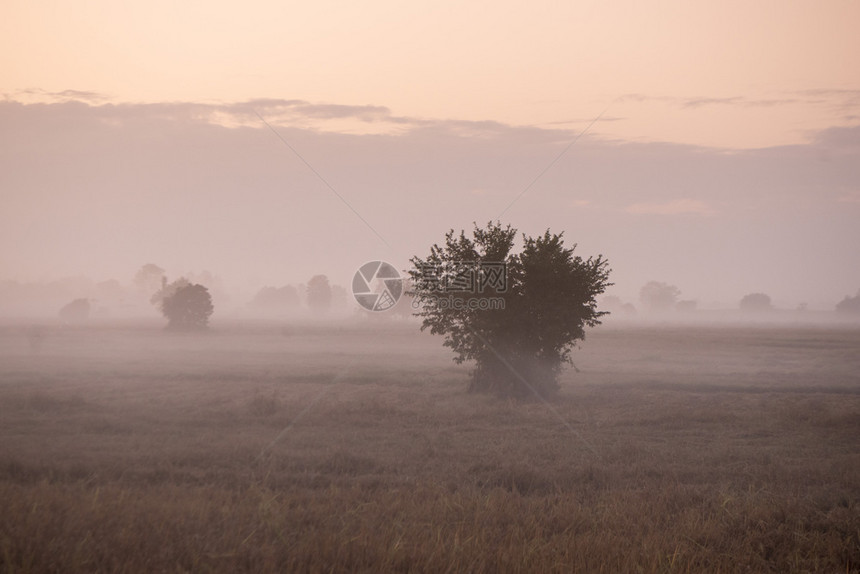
[[234, 114], [842, 98], [739, 101], [674, 207], [307, 109], [702, 101], [844, 137], [284, 113], [33, 95], [585, 120], [699, 102], [637, 97]]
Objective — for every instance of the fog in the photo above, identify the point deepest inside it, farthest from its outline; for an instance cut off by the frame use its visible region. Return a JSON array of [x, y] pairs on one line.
[[96, 191]]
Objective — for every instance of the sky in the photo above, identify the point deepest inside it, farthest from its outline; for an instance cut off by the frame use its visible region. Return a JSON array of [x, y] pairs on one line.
[[714, 146]]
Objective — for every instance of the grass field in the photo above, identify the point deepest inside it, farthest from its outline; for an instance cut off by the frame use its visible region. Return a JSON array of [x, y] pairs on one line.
[[356, 448]]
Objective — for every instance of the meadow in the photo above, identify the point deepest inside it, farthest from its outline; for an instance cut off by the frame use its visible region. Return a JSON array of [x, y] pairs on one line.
[[355, 448]]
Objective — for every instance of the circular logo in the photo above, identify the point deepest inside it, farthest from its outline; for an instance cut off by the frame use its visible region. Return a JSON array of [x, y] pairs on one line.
[[377, 286]]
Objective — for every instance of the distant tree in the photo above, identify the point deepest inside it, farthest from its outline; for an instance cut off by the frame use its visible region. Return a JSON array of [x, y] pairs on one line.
[[148, 278], [319, 294], [187, 307], [548, 300], [659, 297], [755, 303], [76, 312], [849, 305]]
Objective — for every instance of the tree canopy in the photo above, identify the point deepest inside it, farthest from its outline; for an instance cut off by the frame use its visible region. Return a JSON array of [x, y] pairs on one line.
[[519, 328]]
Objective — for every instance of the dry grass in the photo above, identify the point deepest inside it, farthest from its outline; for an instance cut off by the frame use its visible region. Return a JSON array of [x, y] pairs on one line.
[[673, 450]]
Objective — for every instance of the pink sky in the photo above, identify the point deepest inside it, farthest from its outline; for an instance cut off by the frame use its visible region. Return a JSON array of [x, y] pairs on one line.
[[725, 161]]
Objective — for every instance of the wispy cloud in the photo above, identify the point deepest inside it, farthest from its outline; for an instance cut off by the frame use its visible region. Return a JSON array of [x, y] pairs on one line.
[[307, 109], [584, 120], [300, 113], [683, 206], [847, 97], [841, 99], [699, 102], [290, 113], [32, 95], [738, 101], [702, 101]]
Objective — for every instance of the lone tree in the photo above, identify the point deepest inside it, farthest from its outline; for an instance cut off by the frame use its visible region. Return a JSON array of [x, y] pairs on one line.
[[520, 331], [187, 306], [319, 294]]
